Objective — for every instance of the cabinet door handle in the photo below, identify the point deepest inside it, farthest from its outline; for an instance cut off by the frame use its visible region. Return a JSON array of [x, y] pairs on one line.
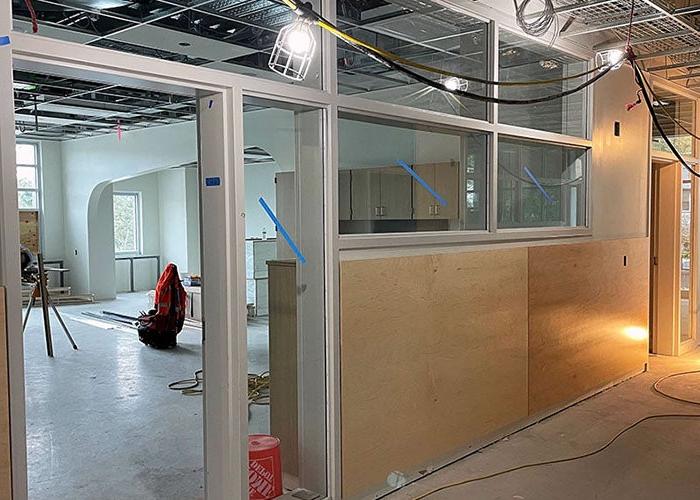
[[430, 209], [382, 210], [376, 211], [437, 209]]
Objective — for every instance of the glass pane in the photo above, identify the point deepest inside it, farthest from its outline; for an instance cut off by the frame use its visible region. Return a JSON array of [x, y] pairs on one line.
[[125, 223], [27, 200], [540, 185], [686, 254], [397, 178], [524, 59], [26, 154], [675, 113], [286, 327], [228, 35], [26, 177], [426, 33]]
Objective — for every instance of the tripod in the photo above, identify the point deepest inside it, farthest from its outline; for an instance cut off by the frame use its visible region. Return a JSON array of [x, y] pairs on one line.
[[41, 291]]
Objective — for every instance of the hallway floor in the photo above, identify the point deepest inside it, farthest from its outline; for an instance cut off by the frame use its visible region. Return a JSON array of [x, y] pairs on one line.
[[656, 460], [101, 421]]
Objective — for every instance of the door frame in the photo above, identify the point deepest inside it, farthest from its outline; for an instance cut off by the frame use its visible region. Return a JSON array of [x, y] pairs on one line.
[[222, 213], [665, 299]]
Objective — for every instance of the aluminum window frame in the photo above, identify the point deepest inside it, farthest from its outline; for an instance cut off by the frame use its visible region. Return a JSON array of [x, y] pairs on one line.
[[37, 51], [659, 83]]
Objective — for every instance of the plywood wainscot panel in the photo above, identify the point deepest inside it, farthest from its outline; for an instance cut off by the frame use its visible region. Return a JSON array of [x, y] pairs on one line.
[[588, 323], [433, 356]]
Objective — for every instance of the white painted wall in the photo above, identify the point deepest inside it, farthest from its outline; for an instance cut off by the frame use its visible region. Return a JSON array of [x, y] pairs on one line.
[[89, 162], [620, 166], [371, 145], [52, 192], [145, 272], [193, 220], [173, 212]]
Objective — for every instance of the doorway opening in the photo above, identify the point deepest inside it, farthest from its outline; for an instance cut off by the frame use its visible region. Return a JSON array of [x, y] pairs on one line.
[[674, 240], [108, 191]]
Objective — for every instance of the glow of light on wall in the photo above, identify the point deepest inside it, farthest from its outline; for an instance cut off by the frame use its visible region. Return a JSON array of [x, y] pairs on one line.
[[637, 333]]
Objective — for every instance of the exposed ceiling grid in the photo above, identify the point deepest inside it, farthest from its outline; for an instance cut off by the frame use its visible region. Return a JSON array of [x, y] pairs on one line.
[[237, 35]]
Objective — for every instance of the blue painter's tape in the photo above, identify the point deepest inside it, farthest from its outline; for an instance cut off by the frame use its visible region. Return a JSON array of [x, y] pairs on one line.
[[420, 180], [212, 181], [211, 103], [282, 230], [534, 179], [4, 40]]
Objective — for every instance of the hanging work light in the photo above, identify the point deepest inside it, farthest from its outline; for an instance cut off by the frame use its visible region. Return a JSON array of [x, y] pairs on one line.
[[613, 58], [453, 83], [294, 48]]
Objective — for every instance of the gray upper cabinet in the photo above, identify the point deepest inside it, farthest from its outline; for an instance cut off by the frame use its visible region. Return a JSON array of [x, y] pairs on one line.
[[443, 178], [390, 193], [381, 193], [344, 206], [365, 194], [395, 199]]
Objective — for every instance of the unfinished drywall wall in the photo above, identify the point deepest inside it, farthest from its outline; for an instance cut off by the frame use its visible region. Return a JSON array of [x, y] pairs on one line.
[[620, 164]]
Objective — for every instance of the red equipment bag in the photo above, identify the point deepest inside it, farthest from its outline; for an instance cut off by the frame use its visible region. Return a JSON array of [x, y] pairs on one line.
[[159, 328]]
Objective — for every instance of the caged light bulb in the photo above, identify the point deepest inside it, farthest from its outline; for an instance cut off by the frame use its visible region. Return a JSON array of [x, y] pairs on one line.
[[453, 83], [613, 58], [299, 41], [293, 51]]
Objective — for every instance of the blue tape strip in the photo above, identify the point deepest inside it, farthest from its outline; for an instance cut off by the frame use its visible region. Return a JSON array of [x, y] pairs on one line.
[[4, 40], [211, 103], [282, 230], [546, 195], [420, 180]]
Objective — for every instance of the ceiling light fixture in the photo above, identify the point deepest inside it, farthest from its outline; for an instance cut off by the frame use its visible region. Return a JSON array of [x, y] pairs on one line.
[[613, 59], [293, 51]]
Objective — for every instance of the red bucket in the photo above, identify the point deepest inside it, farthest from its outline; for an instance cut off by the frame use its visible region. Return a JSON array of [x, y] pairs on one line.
[[264, 467]]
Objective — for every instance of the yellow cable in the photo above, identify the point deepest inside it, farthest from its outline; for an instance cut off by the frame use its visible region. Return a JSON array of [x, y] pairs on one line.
[[396, 58]]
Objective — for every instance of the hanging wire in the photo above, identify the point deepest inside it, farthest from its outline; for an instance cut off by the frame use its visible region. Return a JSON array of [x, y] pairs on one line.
[[643, 84], [382, 56], [539, 24]]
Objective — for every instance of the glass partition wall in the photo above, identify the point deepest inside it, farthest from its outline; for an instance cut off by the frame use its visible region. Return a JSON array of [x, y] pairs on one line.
[[284, 186], [404, 160]]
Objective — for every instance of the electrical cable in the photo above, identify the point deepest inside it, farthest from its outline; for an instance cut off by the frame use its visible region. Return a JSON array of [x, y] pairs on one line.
[[658, 389], [360, 44], [391, 64], [561, 460], [666, 112], [540, 24], [32, 15], [189, 386], [640, 80]]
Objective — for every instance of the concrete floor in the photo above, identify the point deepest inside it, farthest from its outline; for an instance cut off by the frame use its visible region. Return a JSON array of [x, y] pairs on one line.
[[101, 421], [657, 460]]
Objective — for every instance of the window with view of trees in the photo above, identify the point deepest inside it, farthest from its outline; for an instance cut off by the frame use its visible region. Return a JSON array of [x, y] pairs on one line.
[[27, 176], [127, 227]]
